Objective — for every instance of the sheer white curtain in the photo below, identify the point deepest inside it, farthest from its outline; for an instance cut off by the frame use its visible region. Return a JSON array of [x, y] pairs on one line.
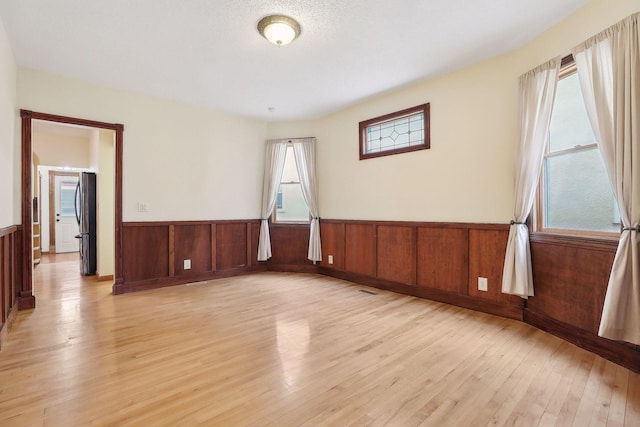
[[273, 167], [537, 92], [609, 72], [305, 152]]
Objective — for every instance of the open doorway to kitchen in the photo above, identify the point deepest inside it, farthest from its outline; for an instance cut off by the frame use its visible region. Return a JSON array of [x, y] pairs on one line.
[[105, 137]]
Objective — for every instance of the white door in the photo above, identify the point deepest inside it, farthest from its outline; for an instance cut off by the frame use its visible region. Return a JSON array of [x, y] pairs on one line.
[[66, 225]]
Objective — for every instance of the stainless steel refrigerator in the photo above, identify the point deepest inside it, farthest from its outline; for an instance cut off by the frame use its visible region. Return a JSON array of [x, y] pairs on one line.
[[86, 217]]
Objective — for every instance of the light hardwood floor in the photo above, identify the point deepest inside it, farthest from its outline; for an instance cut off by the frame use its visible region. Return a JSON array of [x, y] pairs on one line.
[[276, 349]]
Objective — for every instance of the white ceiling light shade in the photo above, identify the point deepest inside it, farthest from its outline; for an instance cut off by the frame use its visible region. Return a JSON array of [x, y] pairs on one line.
[[279, 29]]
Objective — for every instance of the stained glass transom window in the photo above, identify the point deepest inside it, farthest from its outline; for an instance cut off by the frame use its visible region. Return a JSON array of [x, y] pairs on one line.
[[399, 132]]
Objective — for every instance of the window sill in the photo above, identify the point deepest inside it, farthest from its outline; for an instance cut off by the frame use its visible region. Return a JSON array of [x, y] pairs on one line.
[[609, 244], [289, 224]]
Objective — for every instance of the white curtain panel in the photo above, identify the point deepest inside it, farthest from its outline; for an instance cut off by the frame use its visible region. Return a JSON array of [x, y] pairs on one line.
[[537, 92], [609, 71], [273, 168], [305, 153]]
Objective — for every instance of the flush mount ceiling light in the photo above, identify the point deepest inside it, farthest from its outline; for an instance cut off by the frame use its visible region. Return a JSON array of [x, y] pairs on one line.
[[279, 29]]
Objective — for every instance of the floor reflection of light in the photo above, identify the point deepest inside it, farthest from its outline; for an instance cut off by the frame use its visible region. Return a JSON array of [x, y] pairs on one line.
[[293, 344]]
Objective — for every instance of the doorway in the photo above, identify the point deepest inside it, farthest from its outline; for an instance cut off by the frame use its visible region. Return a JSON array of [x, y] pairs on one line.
[[26, 296], [63, 227]]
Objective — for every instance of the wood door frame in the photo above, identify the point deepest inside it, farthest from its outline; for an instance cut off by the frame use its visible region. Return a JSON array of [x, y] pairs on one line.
[[52, 215], [25, 294]]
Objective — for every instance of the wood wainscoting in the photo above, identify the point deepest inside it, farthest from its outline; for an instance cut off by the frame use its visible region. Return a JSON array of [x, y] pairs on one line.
[[438, 261], [570, 280], [10, 263], [154, 252], [442, 262]]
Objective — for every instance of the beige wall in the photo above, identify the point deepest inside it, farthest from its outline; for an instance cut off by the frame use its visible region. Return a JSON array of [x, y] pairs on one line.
[[468, 173], [61, 150], [186, 163], [190, 163], [103, 163], [9, 214]]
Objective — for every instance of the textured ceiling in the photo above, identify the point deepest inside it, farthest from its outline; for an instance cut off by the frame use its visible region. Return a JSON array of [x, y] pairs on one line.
[[209, 53]]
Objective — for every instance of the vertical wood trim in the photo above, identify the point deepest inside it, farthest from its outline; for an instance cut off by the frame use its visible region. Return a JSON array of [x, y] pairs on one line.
[[172, 251], [375, 249], [214, 243], [4, 295], [249, 251], [118, 240], [16, 265], [14, 268], [468, 238], [52, 216], [27, 300], [415, 256], [344, 246], [5, 268]]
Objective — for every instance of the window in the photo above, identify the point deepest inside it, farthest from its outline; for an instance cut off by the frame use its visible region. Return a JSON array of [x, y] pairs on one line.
[[399, 132], [575, 194], [290, 204], [68, 198]]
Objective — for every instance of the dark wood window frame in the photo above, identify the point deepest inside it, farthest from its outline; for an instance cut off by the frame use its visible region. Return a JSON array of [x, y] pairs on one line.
[[426, 144]]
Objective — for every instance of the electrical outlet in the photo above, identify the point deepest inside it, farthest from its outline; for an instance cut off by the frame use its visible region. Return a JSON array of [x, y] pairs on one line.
[[482, 284], [143, 207], [330, 259], [187, 264]]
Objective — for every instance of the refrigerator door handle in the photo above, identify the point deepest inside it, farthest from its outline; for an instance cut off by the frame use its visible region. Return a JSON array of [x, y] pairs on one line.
[[76, 200]]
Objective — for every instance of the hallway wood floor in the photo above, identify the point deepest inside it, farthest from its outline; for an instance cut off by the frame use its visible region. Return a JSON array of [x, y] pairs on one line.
[[277, 349]]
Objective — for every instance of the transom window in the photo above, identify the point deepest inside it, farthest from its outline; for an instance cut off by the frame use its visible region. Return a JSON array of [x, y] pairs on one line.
[[575, 195], [290, 204], [399, 132]]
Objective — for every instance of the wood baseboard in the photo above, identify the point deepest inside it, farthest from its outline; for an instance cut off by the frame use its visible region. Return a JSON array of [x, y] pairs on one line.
[[624, 354], [104, 278], [465, 301], [26, 302]]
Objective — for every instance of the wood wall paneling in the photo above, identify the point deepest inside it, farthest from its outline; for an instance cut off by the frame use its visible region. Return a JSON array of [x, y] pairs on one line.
[[360, 249], [146, 252], [5, 292], [17, 263], [255, 239], [289, 244], [396, 253], [486, 259], [214, 246], [10, 266], [332, 236], [192, 241], [231, 248], [172, 252], [443, 259], [570, 283]]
